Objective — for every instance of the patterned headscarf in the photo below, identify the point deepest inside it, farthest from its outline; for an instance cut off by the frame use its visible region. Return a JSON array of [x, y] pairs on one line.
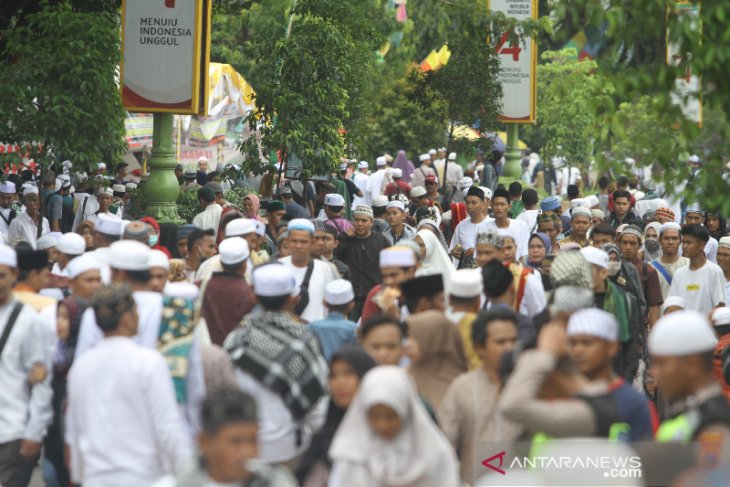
[[571, 269]]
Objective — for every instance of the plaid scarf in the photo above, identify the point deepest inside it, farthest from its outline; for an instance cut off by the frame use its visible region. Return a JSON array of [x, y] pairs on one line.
[[284, 356]]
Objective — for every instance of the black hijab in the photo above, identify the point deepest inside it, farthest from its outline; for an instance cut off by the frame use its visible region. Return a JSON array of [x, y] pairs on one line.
[[318, 449]]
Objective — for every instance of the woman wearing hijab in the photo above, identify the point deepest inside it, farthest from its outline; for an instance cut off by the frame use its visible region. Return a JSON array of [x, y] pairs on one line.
[[437, 354], [401, 162], [251, 205], [86, 230], [387, 439], [434, 259], [347, 368], [716, 225], [538, 246], [651, 250], [154, 237]]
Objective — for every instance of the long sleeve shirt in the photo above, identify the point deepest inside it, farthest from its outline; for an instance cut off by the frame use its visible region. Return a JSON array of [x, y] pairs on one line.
[[123, 426], [149, 306], [362, 256], [24, 229], [25, 410]]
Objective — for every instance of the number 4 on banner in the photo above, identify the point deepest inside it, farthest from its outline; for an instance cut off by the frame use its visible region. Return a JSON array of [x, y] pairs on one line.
[[513, 50]]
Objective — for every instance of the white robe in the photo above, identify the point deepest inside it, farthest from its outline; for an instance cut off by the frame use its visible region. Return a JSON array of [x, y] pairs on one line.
[[362, 181], [122, 424], [24, 229]]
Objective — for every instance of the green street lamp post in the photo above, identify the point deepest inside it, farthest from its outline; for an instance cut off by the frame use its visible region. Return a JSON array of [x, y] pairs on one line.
[[162, 186], [512, 155]]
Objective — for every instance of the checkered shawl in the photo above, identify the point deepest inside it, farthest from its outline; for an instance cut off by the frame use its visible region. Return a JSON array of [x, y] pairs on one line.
[[284, 356]]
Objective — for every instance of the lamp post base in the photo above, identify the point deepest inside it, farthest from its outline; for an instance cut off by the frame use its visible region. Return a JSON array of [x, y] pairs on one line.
[[162, 186]]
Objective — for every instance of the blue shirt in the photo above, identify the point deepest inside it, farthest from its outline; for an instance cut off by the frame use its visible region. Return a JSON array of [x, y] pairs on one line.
[[333, 332], [633, 408]]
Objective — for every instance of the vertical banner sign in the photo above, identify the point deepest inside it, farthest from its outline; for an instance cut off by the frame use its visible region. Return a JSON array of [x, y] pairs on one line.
[[165, 55], [687, 94], [518, 65]]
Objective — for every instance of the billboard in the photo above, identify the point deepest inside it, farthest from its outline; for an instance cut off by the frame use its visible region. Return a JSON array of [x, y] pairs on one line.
[[165, 55], [518, 65]]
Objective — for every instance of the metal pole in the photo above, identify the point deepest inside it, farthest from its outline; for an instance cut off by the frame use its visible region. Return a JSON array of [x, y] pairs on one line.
[[512, 156], [162, 186]]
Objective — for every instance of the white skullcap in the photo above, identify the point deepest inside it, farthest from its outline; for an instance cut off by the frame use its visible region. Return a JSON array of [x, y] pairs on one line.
[[580, 211], [724, 242], [102, 190], [274, 280], [48, 241], [396, 204], [130, 186], [675, 301], [721, 316], [7, 187], [57, 185], [594, 322], [338, 292], [8, 256], [424, 157], [101, 165], [694, 158], [158, 258], [397, 172], [452, 156], [334, 199], [670, 226], [71, 244], [580, 203], [363, 165], [301, 224], [442, 149], [397, 257], [82, 263], [119, 188], [466, 283], [67, 164], [129, 255], [240, 226], [466, 182], [202, 159], [380, 200], [380, 161], [595, 256], [183, 290], [30, 190], [418, 191], [487, 192], [109, 225], [260, 228], [694, 208], [233, 251], [682, 333], [432, 152]]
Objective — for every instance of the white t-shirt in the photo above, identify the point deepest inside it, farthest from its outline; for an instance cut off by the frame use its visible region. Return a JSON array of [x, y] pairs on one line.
[[702, 289], [466, 234], [322, 274], [529, 218], [520, 232]]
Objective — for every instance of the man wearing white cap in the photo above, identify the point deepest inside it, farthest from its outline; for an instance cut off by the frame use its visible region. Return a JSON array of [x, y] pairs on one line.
[[670, 239], [130, 264], [312, 275], [278, 361], [682, 347], [468, 413], [580, 223], [104, 202], [623, 305], [397, 265], [335, 330], [454, 171], [396, 215], [723, 260], [240, 227], [418, 178], [122, 422], [24, 227], [360, 251], [630, 243], [465, 295], [362, 180], [159, 268], [84, 281], [398, 186], [25, 379], [695, 215], [7, 213], [69, 245], [593, 345], [377, 178], [701, 283], [334, 205], [380, 205], [227, 297]]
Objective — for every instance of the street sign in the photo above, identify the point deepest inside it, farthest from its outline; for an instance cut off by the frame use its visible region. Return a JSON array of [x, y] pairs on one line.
[[518, 65], [165, 55]]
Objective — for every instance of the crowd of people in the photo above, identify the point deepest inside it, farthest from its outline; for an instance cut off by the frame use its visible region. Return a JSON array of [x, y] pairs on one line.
[[394, 324]]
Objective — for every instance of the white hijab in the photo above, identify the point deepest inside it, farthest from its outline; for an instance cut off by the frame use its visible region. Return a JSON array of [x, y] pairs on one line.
[[420, 456], [436, 261]]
